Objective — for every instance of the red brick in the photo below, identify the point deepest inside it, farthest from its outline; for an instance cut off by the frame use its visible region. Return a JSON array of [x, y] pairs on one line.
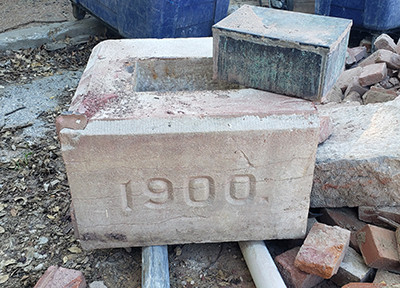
[[345, 218], [357, 53], [379, 95], [347, 76], [386, 42], [323, 250], [364, 285], [372, 74], [325, 128], [353, 96], [293, 276], [59, 277], [391, 59], [335, 95], [371, 59], [354, 85], [378, 248]]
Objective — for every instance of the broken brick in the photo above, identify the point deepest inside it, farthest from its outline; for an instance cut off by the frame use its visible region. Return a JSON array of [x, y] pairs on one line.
[[354, 85], [385, 42], [59, 277], [346, 77], [371, 59], [370, 214], [378, 95], [345, 218], [293, 276], [367, 44], [357, 53], [378, 247], [372, 74], [335, 95], [323, 250], [391, 59], [353, 96], [397, 49]]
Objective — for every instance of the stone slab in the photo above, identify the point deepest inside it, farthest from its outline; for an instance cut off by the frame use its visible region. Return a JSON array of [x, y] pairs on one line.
[[285, 52], [154, 168], [358, 165]]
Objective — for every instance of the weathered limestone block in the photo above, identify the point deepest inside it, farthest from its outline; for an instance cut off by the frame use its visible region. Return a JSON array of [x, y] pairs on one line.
[[359, 164], [154, 168], [289, 53]]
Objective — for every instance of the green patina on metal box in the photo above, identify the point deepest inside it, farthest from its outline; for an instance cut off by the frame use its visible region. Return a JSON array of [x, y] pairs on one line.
[[285, 52]]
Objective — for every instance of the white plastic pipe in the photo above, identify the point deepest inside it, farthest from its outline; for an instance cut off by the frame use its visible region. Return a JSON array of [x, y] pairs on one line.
[[261, 266], [155, 272]]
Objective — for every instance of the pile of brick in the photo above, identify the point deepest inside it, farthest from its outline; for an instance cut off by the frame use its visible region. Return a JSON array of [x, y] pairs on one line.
[[371, 80], [349, 249]]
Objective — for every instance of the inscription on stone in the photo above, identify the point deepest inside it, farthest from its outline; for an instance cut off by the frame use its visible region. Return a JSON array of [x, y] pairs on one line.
[[241, 190], [200, 191]]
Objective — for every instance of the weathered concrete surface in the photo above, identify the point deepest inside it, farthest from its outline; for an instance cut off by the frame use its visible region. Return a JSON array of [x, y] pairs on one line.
[[37, 36], [359, 164], [154, 168], [284, 52]]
